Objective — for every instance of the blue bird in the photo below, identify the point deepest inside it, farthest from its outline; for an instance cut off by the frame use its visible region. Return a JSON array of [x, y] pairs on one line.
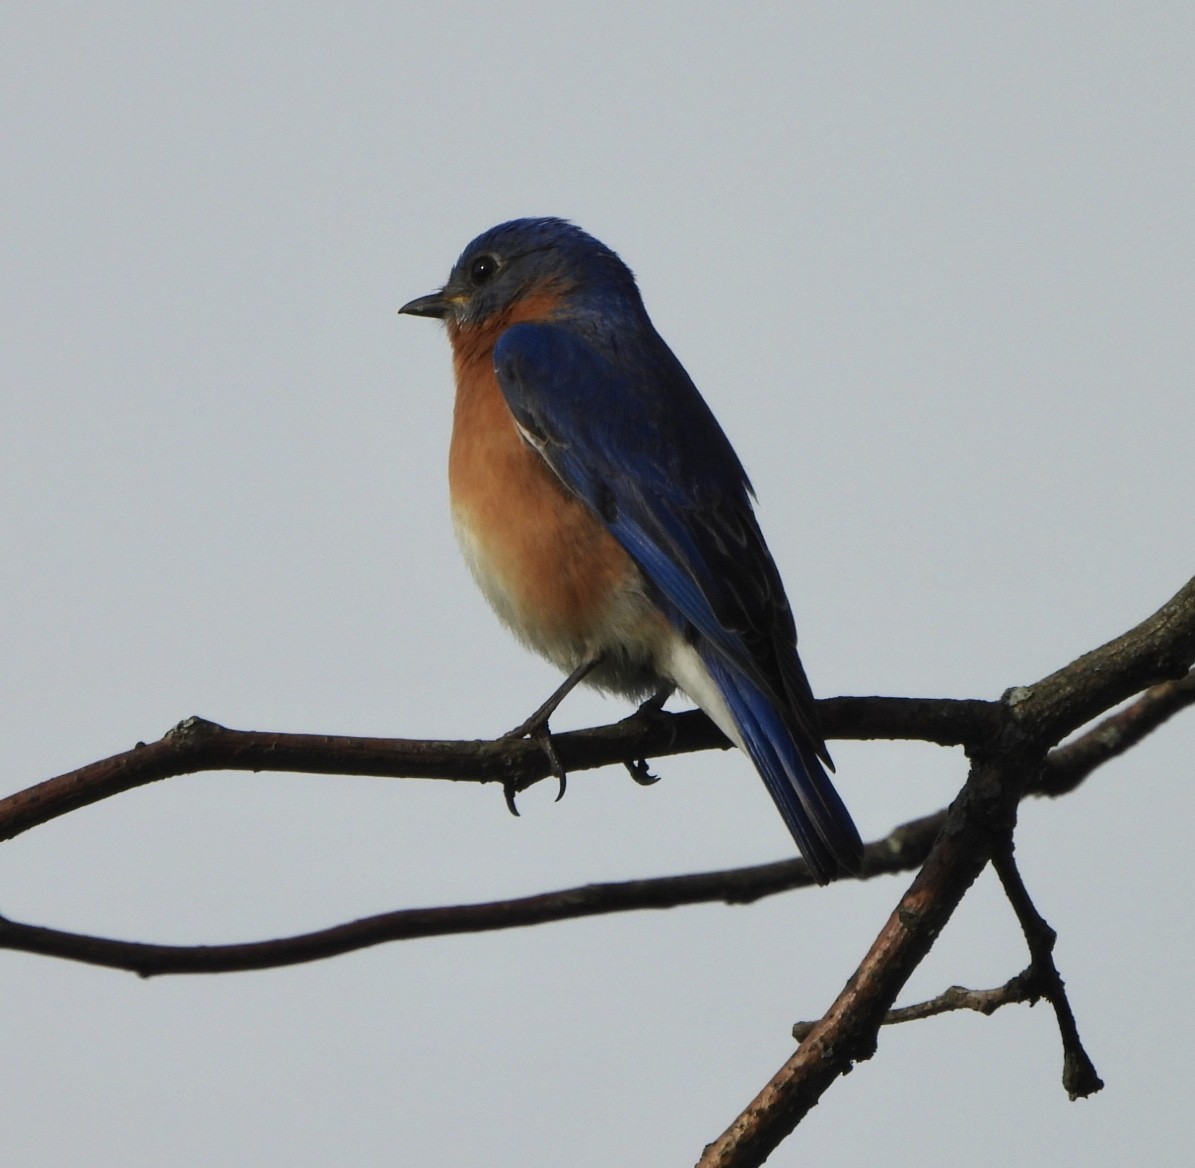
[[606, 517]]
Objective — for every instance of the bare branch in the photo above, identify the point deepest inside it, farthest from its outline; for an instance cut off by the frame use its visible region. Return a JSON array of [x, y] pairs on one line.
[[1067, 766], [1008, 743], [1022, 988], [903, 848], [979, 821], [847, 1033], [1161, 648], [1079, 1075], [198, 745]]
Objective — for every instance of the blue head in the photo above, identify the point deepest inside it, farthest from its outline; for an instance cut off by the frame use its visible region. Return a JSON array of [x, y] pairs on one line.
[[549, 261]]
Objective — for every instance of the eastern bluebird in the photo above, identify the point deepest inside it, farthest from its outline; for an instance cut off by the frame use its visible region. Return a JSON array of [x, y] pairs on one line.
[[607, 518]]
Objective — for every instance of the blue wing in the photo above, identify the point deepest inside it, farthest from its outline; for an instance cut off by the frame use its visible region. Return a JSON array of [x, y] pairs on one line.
[[626, 430]]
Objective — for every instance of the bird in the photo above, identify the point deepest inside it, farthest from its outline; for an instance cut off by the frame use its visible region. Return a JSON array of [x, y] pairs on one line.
[[607, 519]]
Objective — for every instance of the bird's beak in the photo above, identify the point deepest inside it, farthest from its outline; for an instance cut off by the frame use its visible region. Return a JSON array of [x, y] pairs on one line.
[[436, 305]]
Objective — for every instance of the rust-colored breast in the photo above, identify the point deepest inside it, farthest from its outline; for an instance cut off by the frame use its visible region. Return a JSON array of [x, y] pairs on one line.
[[547, 565]]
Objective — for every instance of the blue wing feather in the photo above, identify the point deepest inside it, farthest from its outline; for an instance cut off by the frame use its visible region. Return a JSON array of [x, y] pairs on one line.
[[644, 451]]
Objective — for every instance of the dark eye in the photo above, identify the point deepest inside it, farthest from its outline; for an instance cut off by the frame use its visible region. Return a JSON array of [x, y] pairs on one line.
[[482, 268]]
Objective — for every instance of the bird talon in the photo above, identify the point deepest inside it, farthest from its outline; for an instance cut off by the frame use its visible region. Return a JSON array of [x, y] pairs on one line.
[[537, 730], [639, 772], [544, 737], [509, 791]]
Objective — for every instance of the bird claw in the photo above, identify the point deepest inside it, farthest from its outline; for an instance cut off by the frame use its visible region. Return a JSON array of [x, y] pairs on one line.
[[544, 737], [509, 791], [651, 710], [639, 772], [536, 728]]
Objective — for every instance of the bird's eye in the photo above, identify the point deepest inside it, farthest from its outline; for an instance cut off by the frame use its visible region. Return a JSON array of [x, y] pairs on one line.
[[482, 269]]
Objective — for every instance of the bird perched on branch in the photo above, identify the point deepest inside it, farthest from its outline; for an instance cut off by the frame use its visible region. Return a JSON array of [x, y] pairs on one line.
[[606, 517]]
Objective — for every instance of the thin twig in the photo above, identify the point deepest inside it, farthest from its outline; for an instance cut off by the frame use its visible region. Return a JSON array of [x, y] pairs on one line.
[[1022, 988], [1079, 1076]]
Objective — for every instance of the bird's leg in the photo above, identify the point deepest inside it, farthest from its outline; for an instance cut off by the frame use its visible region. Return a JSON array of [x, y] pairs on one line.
[[536, 727], [532, 726], [651, 709], [655, 703]]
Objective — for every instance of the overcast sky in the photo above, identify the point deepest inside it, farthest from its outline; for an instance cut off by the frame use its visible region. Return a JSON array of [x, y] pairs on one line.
[[931, 265]]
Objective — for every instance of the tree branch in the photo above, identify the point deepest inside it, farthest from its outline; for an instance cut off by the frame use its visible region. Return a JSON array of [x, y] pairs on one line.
[[901, 849], [198, 745], [1067, 766], [1079, 1075], [979, 821], [1022, 988], [1007, 741], [1161, 648], [847, 1033]]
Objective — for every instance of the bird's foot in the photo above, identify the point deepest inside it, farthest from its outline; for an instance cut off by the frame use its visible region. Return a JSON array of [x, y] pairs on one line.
[[536, 728], [637, 769], [651, 710]]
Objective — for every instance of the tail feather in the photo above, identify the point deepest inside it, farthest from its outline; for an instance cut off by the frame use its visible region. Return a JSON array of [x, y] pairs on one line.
[[795, 778]]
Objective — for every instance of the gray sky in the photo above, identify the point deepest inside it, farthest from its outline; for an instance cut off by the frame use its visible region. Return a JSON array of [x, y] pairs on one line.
[[930, 265]]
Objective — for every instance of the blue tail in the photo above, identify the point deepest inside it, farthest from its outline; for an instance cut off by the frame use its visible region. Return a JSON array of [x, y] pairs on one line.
[[794, 776]]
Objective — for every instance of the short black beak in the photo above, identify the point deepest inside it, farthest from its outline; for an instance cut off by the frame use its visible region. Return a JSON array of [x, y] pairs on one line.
[[433, 305]]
